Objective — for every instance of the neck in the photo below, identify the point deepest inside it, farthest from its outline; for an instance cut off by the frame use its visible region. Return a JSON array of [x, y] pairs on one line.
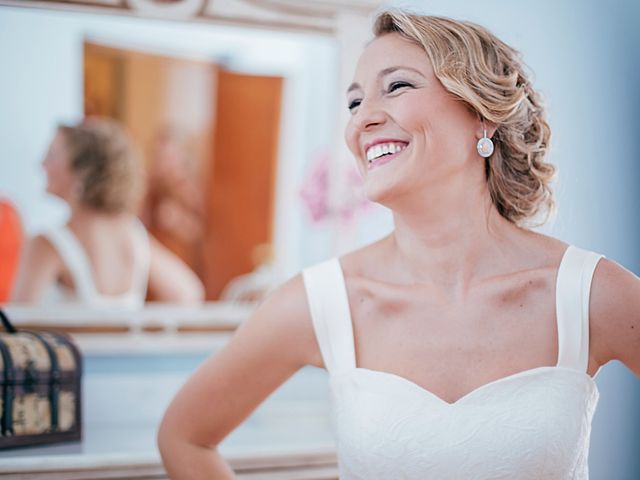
[[453, 238], [84, 214]]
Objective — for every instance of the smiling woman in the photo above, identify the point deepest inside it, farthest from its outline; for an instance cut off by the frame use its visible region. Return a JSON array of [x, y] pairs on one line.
[[478, 77], [462, 344]]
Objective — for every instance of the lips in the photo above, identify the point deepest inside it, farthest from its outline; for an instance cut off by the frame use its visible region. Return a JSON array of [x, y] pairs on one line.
[[383, 151]]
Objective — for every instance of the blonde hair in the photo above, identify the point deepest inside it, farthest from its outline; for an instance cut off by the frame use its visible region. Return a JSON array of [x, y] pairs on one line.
[[107, 163], [489, 76]]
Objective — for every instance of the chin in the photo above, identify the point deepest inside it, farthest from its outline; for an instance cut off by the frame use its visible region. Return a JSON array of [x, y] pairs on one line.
[[397, 193], [383, 194], [51, 190]]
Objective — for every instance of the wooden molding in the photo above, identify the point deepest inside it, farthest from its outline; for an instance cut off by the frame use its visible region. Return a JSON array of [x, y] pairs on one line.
[[317, 464], [211, 317], [309, 15]]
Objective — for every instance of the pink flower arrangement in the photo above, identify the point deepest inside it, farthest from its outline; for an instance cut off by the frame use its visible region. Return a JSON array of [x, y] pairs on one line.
[[315, 192]]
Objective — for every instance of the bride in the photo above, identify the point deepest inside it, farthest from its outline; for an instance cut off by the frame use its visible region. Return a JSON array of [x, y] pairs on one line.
[[103, 256], [463, 344]]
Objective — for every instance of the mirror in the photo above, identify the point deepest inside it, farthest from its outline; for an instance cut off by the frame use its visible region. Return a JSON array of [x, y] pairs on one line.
[[238, 112]]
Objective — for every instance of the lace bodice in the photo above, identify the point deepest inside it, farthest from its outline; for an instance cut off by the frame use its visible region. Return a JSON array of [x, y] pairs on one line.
[[534, 424]]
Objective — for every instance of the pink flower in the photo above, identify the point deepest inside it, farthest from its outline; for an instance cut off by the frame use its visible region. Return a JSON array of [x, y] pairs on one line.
[[315, 192]]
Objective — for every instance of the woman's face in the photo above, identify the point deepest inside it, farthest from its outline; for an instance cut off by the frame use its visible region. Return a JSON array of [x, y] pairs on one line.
[[60, 179], [406, 131]]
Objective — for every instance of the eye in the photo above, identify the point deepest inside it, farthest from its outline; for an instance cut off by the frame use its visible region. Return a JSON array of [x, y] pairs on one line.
[[393, 86], [353, 104]]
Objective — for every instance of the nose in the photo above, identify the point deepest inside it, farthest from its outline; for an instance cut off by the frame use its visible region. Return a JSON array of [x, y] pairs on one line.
[[369, 115]]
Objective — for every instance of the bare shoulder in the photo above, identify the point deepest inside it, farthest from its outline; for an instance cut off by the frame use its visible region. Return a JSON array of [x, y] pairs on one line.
[[40, 264], [542, 250], [614, 315], [285, 311], [39, 250]]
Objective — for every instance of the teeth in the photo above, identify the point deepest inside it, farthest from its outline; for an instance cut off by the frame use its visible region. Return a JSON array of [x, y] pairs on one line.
[[384, 149]]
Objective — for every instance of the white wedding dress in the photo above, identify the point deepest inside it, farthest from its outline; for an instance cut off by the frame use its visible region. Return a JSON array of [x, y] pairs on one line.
[[85, 293], [532, 425]]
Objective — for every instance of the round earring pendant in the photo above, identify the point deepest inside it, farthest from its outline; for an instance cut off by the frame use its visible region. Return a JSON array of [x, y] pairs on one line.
[[485, 147]]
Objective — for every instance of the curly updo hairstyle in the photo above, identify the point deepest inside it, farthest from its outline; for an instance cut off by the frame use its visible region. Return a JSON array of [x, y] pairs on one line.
[[488, 75], [107, 163]]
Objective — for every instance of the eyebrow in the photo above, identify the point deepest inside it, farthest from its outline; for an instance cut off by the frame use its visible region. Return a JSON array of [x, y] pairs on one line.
[[384, 73]]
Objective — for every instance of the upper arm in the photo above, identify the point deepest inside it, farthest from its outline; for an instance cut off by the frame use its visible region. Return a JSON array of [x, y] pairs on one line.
[[170, 279], [615, 315], [39, 267], [265, 351]]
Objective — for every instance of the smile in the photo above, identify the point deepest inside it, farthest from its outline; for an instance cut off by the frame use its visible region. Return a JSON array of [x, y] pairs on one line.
[[381, 153]]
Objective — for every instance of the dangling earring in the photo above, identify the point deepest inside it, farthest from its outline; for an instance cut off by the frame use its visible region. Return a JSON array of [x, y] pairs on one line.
[[484, 145]]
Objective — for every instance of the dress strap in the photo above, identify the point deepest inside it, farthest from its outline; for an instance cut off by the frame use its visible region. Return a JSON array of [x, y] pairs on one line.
[[573, 287], [74, 258], [329, 307]]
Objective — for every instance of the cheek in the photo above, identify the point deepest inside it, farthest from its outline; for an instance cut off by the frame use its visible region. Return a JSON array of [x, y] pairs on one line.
[[53, 169], [352, 141], [416, 117], [58, 173], [350, 137], [442, 130]]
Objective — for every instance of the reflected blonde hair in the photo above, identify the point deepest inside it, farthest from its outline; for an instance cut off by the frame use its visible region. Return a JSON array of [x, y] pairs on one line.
[[488, 75], [107, 163]]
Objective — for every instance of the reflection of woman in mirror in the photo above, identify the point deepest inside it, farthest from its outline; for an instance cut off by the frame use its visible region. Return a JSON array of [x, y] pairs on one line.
[[173, 208], [463, 344], [103, 256]]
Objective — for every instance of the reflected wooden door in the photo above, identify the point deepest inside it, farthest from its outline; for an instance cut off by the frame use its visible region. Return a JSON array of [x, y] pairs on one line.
[[103, 81], [241, 181], [167, 104]]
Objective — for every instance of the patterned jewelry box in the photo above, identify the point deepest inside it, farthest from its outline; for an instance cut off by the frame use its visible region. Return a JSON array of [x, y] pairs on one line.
[[40, 384]]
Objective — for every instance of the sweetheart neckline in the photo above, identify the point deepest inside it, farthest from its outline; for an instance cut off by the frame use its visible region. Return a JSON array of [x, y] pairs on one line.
[[484, 386]]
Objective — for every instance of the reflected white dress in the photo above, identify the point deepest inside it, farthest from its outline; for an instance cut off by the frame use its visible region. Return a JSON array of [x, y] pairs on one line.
[[85, 292], [532, 425]]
